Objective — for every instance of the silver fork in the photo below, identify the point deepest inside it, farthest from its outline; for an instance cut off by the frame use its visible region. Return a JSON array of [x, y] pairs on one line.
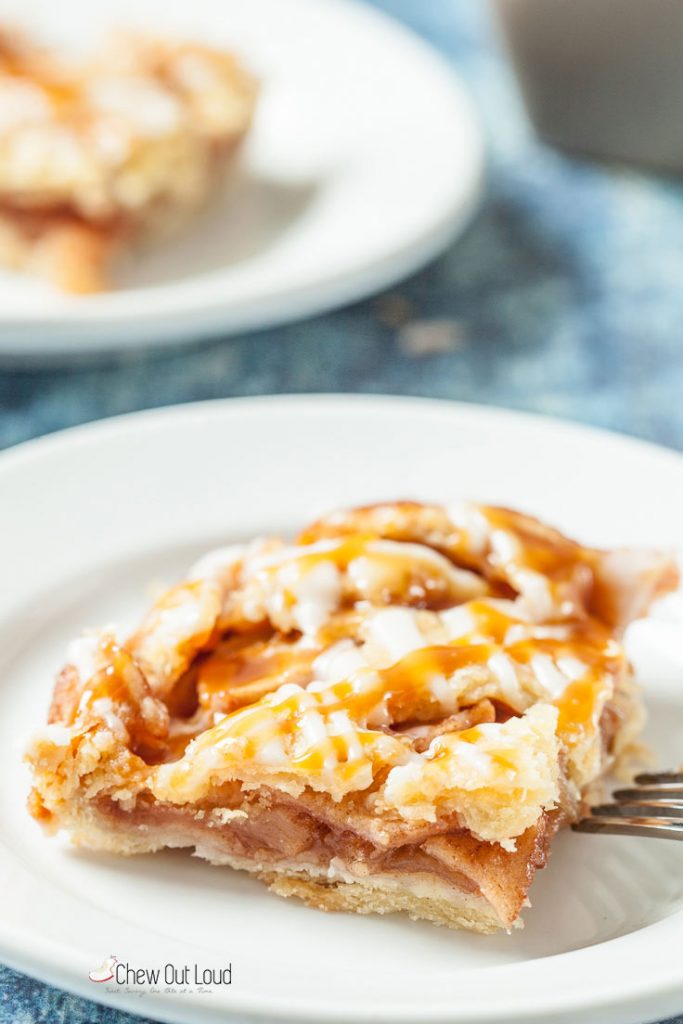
[[652, 807]]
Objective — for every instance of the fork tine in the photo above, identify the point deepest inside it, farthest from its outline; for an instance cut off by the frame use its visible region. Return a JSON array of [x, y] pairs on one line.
[[647, 827], [637, 796], [660, 790], [653, 807], [673, 812], [647, 777]]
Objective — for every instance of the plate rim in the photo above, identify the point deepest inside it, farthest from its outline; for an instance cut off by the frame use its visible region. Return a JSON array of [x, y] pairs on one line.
[[324, 400], [631, 996]]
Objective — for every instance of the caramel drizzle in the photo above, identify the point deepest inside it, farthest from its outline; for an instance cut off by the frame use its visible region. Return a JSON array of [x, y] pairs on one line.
[[32, 67], [540, 549], [404, 688], [590, 642], [121, 682], [433, 572], [242, 666], [342, 552]]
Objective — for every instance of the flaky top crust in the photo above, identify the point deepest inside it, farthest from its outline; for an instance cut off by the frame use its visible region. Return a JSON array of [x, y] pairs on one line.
[[423, 668]]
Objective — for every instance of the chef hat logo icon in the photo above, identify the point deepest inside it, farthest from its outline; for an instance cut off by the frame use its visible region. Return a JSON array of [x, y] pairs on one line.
[[105, 971]]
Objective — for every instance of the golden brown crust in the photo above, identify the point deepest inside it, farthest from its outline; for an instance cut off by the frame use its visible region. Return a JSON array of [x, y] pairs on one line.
[[426, 899], [63, 249], [65, 697], [317, 716]]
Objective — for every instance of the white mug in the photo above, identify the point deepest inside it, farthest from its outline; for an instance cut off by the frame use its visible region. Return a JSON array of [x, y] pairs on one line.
[[602, 77]]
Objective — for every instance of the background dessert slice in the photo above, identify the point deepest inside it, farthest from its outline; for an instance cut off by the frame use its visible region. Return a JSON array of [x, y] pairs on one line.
[[94, 154]]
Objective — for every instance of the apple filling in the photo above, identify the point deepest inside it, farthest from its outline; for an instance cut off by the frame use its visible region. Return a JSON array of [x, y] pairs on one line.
[[394, 713]]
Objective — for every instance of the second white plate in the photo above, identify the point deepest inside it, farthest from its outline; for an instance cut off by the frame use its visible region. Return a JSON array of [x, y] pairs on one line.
[[364, 162]]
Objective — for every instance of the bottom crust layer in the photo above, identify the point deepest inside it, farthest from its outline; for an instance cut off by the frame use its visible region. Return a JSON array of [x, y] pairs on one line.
[[486, 898], [420, 897]]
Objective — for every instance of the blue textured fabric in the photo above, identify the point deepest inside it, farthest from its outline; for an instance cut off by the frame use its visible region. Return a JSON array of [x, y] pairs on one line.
[[564, 296]]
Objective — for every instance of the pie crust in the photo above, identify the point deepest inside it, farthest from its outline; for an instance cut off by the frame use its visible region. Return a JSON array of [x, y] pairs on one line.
[[394, 713]]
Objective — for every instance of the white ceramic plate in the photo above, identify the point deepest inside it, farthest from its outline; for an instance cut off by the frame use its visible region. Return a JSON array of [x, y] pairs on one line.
[[364, 161], [89, 518]]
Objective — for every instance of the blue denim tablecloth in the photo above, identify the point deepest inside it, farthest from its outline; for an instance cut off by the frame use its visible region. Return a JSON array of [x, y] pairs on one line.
[[564, 296]]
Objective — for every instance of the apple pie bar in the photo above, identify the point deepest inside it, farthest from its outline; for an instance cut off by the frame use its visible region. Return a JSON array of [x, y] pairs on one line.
[[94, 153], [396, 712]]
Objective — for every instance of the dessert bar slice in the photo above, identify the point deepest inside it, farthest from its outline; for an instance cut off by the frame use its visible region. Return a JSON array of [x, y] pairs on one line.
[[94, 154], [394, 713]]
